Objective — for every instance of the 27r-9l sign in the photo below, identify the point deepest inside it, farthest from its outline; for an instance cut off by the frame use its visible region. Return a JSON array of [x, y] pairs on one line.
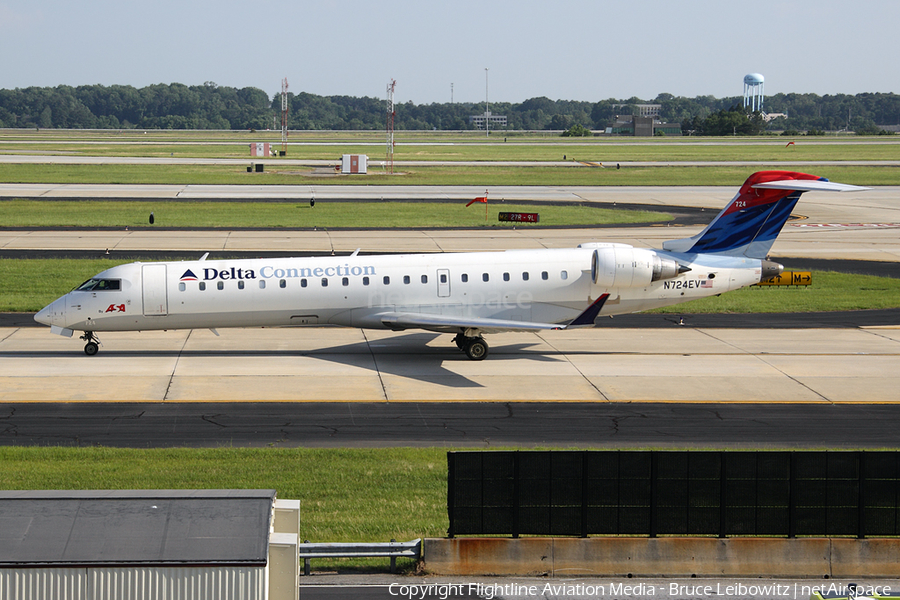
[[519, 217]]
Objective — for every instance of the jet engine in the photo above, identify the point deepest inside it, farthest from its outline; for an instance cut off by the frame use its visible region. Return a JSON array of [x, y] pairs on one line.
[[619, 267]]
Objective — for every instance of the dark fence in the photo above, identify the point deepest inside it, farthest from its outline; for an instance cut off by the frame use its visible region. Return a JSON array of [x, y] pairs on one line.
[[581, 493]]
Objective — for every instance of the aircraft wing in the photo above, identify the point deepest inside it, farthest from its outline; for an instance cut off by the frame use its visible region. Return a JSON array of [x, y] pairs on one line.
[[407, 320], [402, 320]]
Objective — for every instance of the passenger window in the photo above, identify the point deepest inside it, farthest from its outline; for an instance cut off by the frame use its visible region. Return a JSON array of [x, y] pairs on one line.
[[465, 277], [202, 286], [345, 281], [525, 276], [387, 280], [424, 278], [485, 277], [282, 283], [406, 279], [241, 284], [262, 284], [506, 277], [564, 275], [443, 278], [220, 285], [365, 281], [544, 275], [302, 283], [181, 287], [324, 282]]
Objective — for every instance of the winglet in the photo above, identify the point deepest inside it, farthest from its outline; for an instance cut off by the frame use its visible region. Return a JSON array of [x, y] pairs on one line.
[[586, 319]]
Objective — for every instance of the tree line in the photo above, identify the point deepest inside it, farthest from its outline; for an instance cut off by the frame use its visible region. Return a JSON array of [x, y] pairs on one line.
[[210, 106]]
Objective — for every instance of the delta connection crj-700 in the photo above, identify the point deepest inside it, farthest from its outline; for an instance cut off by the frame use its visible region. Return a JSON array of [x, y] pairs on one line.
[[466, 294]]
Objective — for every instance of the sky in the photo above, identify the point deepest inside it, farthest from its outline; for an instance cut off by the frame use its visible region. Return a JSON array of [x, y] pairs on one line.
[[587, 50]]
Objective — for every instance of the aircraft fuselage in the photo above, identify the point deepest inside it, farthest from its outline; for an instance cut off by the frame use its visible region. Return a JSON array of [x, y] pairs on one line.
[[548, 286]]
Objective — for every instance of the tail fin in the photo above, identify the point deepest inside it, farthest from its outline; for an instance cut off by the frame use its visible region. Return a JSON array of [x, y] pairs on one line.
[[750, 223]]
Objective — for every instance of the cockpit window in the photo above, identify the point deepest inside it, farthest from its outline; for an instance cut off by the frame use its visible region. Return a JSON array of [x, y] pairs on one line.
[[100, 285]]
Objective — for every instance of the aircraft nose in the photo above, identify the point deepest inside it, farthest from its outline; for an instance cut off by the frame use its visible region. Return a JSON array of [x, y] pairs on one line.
[[52, 313]]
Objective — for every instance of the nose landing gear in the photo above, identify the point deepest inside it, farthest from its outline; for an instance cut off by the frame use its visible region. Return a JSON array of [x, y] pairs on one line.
[[93, 344]]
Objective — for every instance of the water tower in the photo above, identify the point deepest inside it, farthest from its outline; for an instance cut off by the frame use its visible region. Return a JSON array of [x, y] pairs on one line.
[[753, 91]]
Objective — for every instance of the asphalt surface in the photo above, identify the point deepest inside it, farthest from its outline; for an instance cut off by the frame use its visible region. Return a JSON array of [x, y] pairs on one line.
[[463, 425]]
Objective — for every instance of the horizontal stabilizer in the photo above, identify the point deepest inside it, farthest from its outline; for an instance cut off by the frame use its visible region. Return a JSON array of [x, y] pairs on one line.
[[810, 186]]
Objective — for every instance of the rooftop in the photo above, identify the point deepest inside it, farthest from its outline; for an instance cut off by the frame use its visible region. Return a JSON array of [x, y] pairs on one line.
[[124, 527]]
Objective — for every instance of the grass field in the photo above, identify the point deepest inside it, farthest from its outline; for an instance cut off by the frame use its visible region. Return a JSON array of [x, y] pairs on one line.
[[527, 147], [382, 215], [346, 494], [438, 175], [27, 285], [448, 146], [829, 291]]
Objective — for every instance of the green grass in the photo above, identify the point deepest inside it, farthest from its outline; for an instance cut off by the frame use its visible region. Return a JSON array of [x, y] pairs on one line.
[[354, 215], [447, 146], [437, 175], [345, 494], [829, 291], [27, 285]]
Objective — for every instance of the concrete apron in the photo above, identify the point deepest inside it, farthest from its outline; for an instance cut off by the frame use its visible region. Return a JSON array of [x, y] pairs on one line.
[[664, 557]]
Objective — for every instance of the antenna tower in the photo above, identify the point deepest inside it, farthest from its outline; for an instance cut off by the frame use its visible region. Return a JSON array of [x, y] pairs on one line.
[[284, 116], [390, 124]]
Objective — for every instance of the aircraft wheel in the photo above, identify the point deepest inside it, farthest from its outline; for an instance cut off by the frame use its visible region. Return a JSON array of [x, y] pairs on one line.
[[91, 348], [477, 349]]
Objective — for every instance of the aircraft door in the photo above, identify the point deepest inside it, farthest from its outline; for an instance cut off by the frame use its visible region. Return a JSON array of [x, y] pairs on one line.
[[155, 294], [443, 279]]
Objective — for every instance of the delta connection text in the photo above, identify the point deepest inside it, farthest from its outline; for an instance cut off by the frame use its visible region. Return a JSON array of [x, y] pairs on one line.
[[270, 272], [489, 591], [495, 299]]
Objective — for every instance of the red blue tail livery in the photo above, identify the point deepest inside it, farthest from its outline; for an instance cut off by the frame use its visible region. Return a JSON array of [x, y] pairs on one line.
[[749, 225]]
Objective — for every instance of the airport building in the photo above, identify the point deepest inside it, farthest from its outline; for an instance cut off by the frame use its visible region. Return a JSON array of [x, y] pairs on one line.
[[644, 110], [495, 121], [175, 544], [641, 126]]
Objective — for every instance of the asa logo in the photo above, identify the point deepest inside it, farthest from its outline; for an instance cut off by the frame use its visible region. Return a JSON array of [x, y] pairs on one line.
[[188, 276], [115, 308]]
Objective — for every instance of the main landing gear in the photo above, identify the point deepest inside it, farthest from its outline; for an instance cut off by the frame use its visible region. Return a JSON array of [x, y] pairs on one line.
[[474, 346], [93, 344]]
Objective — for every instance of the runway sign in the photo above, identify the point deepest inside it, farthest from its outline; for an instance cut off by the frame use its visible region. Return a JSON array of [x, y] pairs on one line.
[[790, 278], [519, 217]]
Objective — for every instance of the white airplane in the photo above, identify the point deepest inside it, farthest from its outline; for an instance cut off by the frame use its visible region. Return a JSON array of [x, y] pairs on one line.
[[467, 294]]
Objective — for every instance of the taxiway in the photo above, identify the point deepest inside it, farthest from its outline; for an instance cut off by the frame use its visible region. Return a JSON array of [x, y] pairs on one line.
[[668, 363]]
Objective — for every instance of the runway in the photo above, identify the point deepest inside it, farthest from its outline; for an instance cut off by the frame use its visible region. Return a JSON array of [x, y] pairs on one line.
[[454, 425]]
